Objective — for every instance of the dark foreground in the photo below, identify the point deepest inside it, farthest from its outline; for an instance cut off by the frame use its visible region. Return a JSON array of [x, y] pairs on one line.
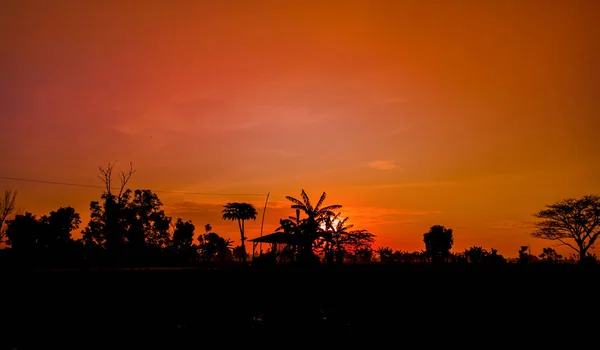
[[173, 309]]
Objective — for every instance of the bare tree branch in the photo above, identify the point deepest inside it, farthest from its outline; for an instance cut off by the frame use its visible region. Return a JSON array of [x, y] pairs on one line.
[[7, 206], [106, 176]]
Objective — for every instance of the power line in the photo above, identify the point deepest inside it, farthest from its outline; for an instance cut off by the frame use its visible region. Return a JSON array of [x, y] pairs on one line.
[[103, 187]]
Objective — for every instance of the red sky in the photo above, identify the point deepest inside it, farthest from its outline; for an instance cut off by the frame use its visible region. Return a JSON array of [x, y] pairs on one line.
[[468, 114]]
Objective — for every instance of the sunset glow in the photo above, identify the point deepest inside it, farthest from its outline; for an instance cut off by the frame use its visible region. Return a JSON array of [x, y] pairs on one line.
[[408, 113]]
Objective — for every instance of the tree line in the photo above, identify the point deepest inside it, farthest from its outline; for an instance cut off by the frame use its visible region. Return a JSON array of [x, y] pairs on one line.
[[130, 227]]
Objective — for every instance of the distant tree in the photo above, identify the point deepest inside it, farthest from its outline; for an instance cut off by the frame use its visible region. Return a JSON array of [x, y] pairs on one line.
[[239, 253], [525, 256], [495, 258], [183, 235], [315, 215], [386, 254], [550, 255], [358, 244], [214, 247], [7, 206], [438, 242], [240, 212], [476, 255], [572, 222]]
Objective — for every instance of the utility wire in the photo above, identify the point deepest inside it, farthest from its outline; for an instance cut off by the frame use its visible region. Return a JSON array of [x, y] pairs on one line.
[[103, 187]]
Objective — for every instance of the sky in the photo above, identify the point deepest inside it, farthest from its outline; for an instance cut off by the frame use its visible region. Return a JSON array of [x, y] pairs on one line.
[[469, 114]]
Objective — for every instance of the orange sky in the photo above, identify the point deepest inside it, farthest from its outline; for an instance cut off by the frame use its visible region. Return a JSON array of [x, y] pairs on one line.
[[468, 114]]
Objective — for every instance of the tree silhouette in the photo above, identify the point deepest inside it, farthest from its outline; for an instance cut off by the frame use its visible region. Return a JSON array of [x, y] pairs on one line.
[[57, 227], [183, 235], [336, 236], [22, 232], [240, 212], [476, 255], [112, 206], [213, 246], [315, 215], [550, 255], [358, 243], [7, 206], [571, 219], [386, 254], [438, 242]]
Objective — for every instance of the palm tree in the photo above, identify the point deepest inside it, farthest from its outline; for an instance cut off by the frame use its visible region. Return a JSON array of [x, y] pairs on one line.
[[337, 228], [240, 212], [315, 215]]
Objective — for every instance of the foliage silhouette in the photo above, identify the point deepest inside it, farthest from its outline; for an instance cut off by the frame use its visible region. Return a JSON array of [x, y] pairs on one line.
[[309, 228], [571, 219], [7, 206], [438, 242], [240, 212]]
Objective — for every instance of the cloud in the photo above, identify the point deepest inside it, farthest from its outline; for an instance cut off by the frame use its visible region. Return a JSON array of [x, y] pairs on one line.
[[382, 164]]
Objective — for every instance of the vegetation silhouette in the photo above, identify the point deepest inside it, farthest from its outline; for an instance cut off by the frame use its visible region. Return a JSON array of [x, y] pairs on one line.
[[574, 222], [240, 212], [137, 276]]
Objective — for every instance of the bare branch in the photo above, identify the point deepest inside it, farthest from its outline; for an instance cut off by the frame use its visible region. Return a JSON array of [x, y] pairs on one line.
[[106, 176], [7, 206], [125, 176]]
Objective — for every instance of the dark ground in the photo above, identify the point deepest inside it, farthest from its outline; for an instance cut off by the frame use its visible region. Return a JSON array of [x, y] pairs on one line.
[[172, 309]]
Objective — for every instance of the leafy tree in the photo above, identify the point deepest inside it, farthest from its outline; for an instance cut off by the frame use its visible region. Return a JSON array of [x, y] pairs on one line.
[[183, 235], [525, 256], [550, 255], [239, 253], [358, 244], [57, 227], [240, 212], [386, 254], [145, 220], [495, 258], [138, 218], [476, 255], [214, 247], [315, 215], [23, 231], [572, 222], [7, 206], [438, 242]]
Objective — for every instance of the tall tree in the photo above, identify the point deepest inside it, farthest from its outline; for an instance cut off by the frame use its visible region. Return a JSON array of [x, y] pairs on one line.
[[574, 222], [438, 242], [240, 212], [113, 204], [7, 206], [315, 215]]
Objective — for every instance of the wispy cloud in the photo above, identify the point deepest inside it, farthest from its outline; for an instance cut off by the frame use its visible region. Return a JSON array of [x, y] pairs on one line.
[[382, 164]]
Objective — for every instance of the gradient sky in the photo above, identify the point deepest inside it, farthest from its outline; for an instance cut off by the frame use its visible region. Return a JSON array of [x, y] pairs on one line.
[[469, 114]]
